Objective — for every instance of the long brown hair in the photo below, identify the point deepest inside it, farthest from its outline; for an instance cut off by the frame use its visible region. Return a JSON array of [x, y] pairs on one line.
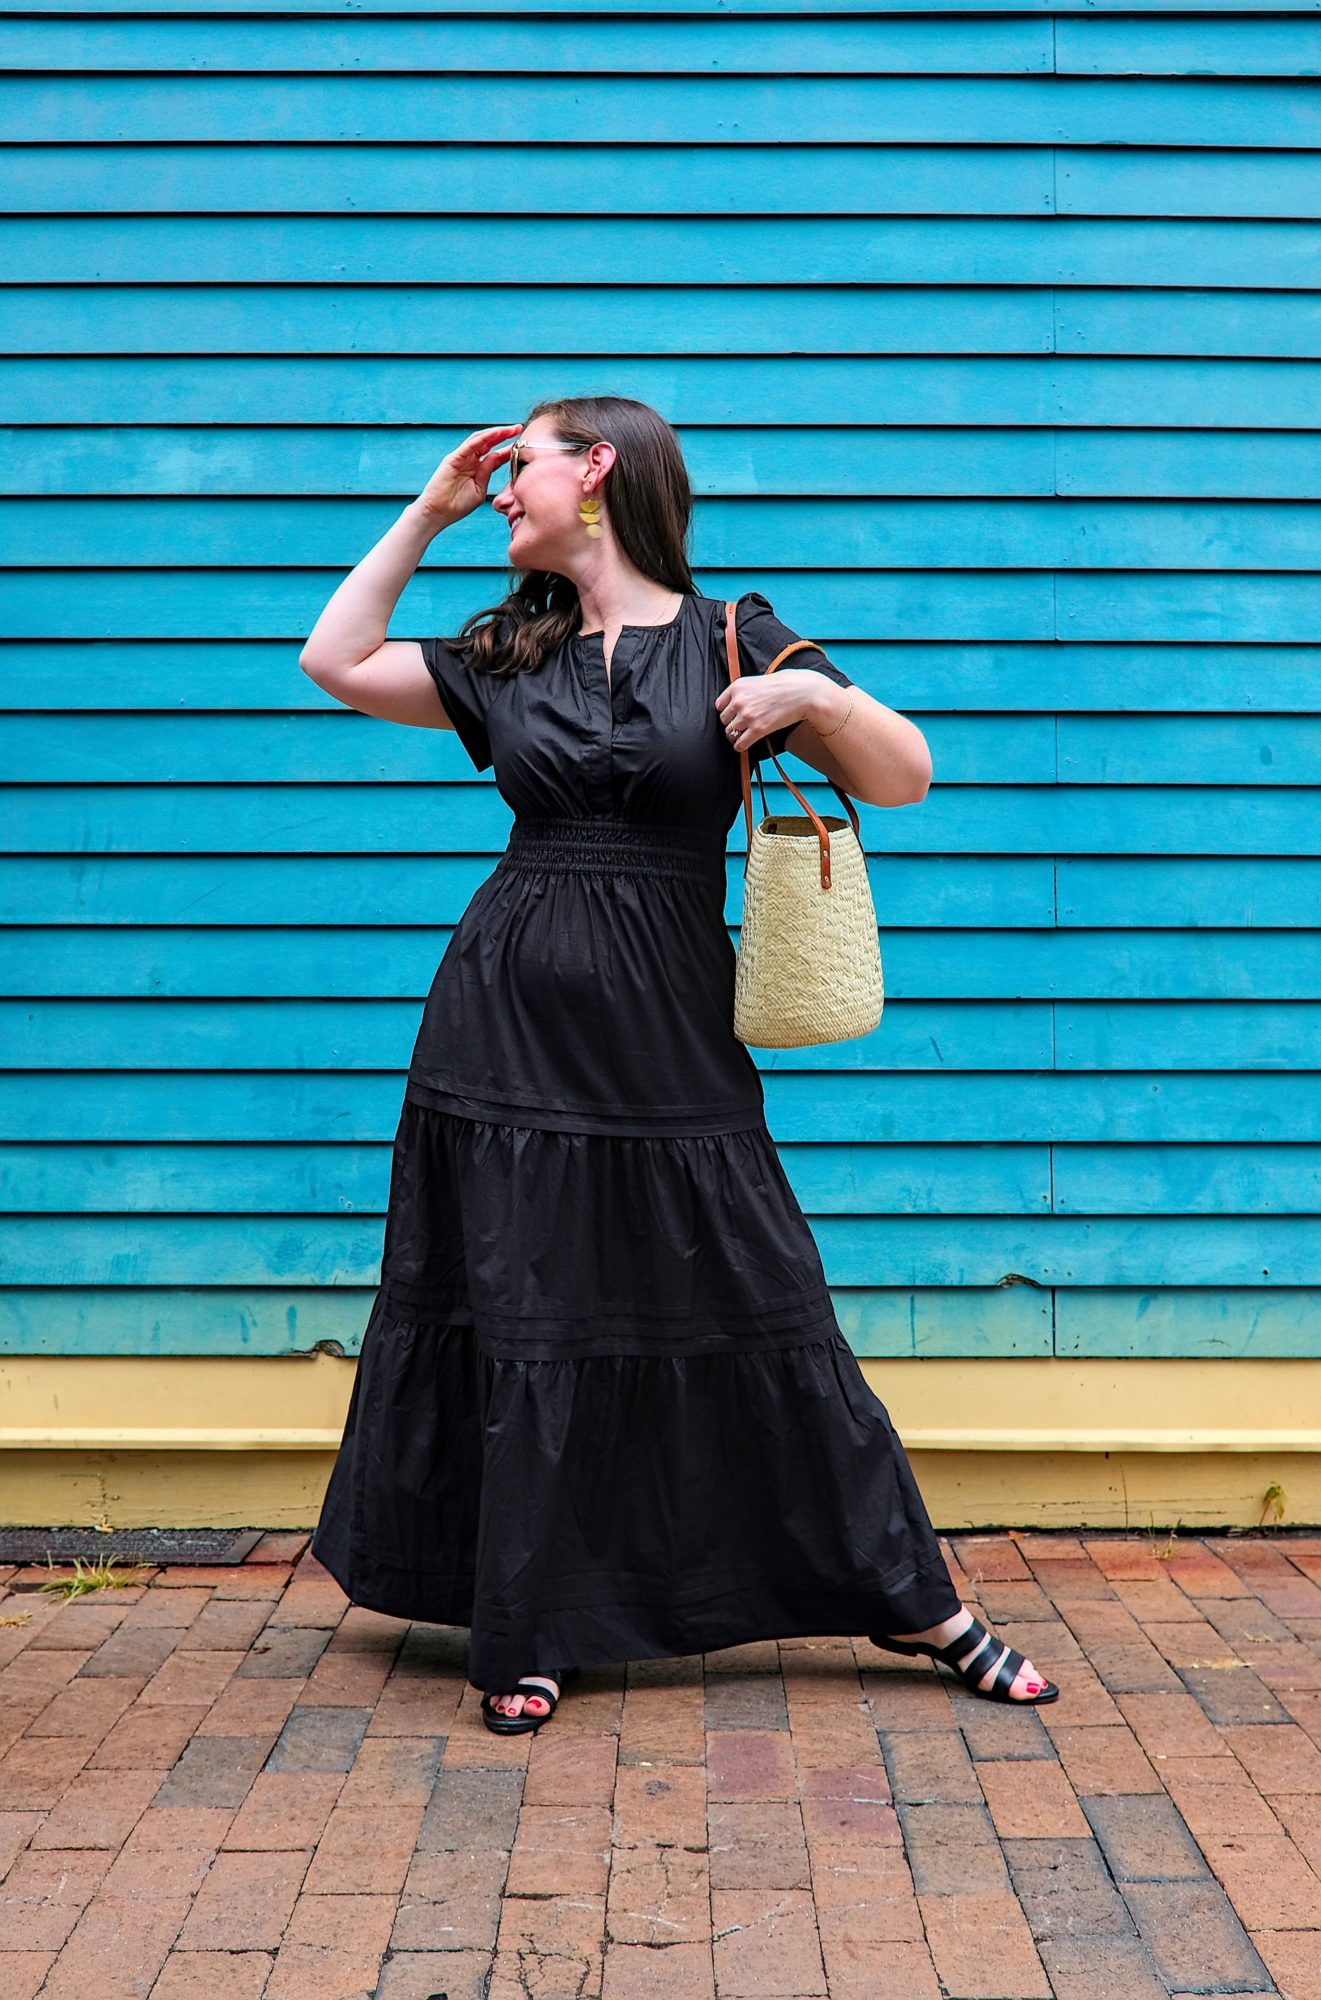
[[650, 505]]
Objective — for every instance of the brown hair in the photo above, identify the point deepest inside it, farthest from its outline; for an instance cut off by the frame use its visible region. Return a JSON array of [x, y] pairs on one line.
[[650, 506]]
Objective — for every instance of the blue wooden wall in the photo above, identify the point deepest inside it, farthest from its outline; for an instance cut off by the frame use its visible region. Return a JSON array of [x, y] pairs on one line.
[[992, 341]]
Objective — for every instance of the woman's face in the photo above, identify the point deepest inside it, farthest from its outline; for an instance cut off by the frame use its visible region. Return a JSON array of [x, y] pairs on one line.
[[541, 504]]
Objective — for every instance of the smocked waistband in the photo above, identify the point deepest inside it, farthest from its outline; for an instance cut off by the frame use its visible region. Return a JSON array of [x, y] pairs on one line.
[[604, 845]]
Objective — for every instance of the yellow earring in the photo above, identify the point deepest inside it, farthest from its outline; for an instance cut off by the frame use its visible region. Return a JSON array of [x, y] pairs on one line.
[[589, 510]]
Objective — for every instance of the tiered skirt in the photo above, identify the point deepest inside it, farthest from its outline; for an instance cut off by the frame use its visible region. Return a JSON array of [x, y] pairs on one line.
[[604, 1410]]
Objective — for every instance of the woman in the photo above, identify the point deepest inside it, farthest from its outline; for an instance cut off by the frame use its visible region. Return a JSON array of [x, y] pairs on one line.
[[603, 1408]]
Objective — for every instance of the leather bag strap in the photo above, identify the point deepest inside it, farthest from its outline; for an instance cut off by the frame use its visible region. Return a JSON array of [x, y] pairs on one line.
[[822, 831]]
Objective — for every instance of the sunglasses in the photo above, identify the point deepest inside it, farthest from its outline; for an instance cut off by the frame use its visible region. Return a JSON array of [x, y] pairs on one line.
[[518, 451]]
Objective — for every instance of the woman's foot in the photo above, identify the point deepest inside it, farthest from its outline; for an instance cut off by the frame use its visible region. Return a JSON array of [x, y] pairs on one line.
[[1027, 1681], [513, 1704]]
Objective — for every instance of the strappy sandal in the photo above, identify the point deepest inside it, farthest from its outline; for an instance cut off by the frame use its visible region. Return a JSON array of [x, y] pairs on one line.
[[960, 1650], [516, 1725]]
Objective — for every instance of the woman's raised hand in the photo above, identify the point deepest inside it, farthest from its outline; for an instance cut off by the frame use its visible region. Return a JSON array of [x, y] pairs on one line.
[[459, 482]]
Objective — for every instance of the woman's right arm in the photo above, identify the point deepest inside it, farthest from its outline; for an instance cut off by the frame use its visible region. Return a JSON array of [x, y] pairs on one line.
[[347, 652]]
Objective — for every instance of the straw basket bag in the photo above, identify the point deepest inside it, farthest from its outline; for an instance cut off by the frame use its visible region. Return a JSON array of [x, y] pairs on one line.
[[809, 956]]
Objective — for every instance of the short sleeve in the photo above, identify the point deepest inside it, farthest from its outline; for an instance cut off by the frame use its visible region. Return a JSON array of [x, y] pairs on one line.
[[465, 694], [761, 635]]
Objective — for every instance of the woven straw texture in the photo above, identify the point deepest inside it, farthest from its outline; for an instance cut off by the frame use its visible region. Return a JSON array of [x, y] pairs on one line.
[[809, 959]]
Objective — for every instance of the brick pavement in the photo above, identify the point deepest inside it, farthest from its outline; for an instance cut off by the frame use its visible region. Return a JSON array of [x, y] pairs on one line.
[[232, 1785]]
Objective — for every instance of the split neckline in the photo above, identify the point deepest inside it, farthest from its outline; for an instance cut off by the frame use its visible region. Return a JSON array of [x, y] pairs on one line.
[[597, 641], [665, 626]]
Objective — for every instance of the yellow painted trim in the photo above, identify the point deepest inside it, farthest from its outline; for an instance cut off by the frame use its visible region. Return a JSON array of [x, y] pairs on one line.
[[201, 1438], [1044, 1441]]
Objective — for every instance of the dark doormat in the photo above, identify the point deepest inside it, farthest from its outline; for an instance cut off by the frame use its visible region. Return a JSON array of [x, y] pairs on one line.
[[148, 1545]]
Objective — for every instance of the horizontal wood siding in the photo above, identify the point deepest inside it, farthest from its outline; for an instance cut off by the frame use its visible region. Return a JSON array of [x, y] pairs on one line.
[[993, 340]]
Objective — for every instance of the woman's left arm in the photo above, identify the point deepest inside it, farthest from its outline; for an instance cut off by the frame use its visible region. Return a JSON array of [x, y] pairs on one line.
[[878, 756]]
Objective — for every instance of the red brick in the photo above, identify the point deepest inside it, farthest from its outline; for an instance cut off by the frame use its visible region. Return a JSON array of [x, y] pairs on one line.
[[451, 1901], [146, 1739], [766, 1944], [364, 1849], [1278, 1757], [213, 1975], [1293, 1961], [1170, 1725], [751, 1764], [1267, 1880], [759, 1844], [666, 1804], [117, 1947], [1216, 1796], [314, 1972], [1029, 1799], [1104, 1759], [343, 1923], [567, 1932], [993, 1558], [278, 1547], [245, 1902], [37, 1769], [99, 1809], [43, 1896], [657, 1895], [983, 1949], [637, 1972], [1126, 1559]]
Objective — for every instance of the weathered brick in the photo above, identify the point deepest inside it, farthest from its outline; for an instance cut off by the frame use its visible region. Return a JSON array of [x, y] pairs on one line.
[[1170, 1725], [665, 1804], [1268, 1881], [365, 1849], [1066, 1889], [745, 1701], [44, 1894], [1105, 1968], [228, 1624], [213, 1975], [343, 1923], [99, 1809], [750, 1764], [1278, 1757], [117, 1947], [1144, 1839], [1107, 1758], [1293, 1960], [188, 1678], [925, 1766], [283, 1653], [285, 1810], [471, 1809], [657, 1895], [393, 1771], [879, 1971], [759, 1844], [451, 1900], [952, 1850], [245, 1902], [982, 1946], [146, 1739], [132, 1653], [766, 1944], [319, 1739], [1216, 1796], [1030, 1801], [1194, 1936]]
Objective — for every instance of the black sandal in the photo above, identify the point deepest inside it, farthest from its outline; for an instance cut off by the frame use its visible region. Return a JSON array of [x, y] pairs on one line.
[[516, 1725], [960, 1649]]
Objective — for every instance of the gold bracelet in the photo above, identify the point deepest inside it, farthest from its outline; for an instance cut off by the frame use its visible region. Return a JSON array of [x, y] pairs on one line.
[[823, 733]]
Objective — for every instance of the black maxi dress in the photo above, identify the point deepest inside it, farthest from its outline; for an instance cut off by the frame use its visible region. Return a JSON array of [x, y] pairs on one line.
[[603, 1409]]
